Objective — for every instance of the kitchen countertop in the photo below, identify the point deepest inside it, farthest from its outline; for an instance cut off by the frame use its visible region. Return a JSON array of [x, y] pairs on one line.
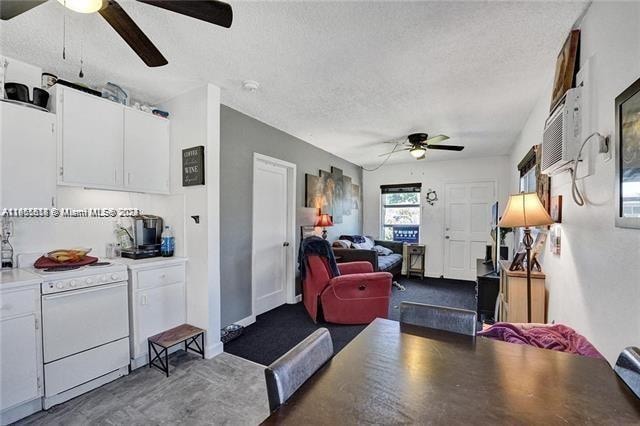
[[12, 278], [149, 262]]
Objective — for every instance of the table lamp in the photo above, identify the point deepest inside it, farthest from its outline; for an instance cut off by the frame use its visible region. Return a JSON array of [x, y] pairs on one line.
[[523, 211], [324, 220]]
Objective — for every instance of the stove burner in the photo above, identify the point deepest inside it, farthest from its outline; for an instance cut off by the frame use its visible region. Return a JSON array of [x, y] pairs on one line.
[[61, 268], [99, 264]]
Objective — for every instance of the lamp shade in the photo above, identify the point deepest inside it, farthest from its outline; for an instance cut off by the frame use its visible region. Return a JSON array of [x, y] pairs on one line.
[[523, 210], [324, 220]]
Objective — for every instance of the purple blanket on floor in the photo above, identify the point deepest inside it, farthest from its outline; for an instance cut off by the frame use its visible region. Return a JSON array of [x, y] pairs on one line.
[[556, 337]]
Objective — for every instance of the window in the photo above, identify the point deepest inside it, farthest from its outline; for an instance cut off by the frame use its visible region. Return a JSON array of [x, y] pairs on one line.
[[401, 212]]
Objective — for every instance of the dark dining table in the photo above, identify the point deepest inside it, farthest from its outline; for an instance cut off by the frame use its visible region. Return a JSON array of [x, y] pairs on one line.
[[394, 373]]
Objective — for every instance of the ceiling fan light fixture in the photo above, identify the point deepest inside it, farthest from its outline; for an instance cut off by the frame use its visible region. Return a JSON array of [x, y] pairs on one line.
[[417, 151], [82, 6]]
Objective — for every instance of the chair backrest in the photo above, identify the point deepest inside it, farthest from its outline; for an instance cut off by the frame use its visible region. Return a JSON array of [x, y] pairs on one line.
[[453, 320], [628, 368], [286, 374]]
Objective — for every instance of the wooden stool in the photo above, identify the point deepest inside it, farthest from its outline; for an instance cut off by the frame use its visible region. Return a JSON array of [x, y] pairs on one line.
[[185, 333]]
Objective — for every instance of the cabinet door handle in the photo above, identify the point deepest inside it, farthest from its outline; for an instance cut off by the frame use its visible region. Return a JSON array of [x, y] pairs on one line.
[[143, 300], [128, 178], [115, 176]]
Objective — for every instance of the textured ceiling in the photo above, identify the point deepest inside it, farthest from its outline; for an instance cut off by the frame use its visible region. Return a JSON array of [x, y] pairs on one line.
[[344, 76]]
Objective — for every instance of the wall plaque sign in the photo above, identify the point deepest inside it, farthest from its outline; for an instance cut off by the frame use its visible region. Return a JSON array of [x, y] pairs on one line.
[[193, 166]]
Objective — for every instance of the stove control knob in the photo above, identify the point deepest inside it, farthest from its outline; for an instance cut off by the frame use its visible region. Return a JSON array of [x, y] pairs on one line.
[[60, 285], [103, 278], [73, 283], [114, 276], [88, 280]]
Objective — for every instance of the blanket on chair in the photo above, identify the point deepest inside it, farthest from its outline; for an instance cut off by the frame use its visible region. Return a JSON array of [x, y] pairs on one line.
[[316, 246], [556, 337]]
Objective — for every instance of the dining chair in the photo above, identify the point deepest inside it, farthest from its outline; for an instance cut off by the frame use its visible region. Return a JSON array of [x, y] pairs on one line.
[[628, 368], [454, 320], [286, 374]]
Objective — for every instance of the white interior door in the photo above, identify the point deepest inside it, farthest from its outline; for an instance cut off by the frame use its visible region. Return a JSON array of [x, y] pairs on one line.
[[467, 226], [270, 245]]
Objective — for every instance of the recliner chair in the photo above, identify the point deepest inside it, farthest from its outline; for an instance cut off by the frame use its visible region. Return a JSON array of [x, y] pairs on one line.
[[357, 296]]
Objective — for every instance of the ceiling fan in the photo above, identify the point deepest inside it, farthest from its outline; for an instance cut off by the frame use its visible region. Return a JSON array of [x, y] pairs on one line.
[[212, 11], [418, 143]]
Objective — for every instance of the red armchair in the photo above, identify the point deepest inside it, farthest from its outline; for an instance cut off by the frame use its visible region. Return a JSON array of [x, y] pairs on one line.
[[357, 296]]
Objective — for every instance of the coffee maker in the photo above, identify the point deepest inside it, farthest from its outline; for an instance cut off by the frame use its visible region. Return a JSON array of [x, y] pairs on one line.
[[147, 237]]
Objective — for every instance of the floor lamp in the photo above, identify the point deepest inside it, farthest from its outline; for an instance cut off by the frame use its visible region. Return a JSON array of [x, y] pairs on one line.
[[523, 211]]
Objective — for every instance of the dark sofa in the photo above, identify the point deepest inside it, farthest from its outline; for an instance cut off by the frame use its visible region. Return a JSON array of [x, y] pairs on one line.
[[391, 263]]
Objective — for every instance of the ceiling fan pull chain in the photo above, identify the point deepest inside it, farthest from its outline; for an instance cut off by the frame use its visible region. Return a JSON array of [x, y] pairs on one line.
[[81, 74], [64, 32]]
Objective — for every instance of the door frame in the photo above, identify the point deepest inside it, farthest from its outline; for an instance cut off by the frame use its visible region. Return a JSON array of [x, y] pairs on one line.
[[444, 201], [290, 284]]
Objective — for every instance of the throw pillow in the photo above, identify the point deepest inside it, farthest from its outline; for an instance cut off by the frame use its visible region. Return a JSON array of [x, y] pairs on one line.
[[382, 251], [366, 245], [342, 244]]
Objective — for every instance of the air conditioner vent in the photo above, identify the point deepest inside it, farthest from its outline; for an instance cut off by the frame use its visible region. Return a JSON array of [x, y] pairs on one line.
[[562, 134]]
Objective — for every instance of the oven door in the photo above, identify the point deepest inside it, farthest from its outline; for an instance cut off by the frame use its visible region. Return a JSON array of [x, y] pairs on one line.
[[78, 320]]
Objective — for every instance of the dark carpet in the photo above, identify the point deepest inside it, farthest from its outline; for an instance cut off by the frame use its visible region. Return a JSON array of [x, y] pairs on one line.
[[277, 331]]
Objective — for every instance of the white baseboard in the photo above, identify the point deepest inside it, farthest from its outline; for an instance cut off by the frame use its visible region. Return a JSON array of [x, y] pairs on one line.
[[213, 350], [245, 322], [298, 298], [16, 413]]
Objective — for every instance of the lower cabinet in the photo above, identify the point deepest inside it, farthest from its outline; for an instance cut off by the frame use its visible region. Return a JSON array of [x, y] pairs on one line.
[[158, 302], [20, 350]]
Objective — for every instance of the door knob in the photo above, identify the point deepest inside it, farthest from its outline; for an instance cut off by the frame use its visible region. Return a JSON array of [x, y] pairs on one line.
[[285, 244], [446, 237]]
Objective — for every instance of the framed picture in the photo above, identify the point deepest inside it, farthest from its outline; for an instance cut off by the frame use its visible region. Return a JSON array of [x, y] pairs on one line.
[[565, 67], [628, 157], [518, 261], [536, 251], [556, 209], [193, 166]]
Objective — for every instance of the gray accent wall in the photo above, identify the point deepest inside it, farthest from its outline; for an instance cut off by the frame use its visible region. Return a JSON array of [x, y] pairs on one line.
[[240, 137]]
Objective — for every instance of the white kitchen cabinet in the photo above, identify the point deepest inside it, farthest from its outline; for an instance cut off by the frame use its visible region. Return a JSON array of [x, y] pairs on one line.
[[90, 140], [20, 352], [104, 144], [28, 157], [146, 152], [157, 301]]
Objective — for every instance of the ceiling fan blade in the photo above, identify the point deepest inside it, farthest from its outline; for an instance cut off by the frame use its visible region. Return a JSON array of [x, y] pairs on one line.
[[445, 147], [393, 152], [437, 139], [398, 141], [132, 34], [212, 11], [12, 8]]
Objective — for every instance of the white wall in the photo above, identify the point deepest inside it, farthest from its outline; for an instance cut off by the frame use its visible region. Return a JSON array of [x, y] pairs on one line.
[[594, 284], [43, 235], [196, 121], [432, 175]]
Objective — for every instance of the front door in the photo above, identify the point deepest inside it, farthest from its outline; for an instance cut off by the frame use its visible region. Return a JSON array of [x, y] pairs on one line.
[[270, 245], [467, 226]]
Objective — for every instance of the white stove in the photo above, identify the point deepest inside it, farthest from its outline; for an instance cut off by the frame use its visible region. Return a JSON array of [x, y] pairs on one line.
[[56, 281], [85, 327]]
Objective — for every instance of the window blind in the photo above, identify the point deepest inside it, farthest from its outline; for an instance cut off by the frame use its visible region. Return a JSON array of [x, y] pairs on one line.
[[400, 188]]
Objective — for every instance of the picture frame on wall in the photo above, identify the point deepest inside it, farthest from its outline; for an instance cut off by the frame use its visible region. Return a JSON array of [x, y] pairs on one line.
[[627, 189], [555, 210], [566, 67]]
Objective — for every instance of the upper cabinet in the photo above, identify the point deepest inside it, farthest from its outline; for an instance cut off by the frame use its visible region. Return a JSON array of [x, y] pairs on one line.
[[146, 152], [103, 144], [27, 157], [91, 136]]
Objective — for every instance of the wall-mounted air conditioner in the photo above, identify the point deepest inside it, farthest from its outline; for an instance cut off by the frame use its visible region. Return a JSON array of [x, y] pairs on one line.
[[562, 134]]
